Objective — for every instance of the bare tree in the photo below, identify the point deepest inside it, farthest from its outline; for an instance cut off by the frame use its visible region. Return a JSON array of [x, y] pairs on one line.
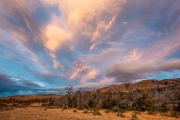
[[69, 92]]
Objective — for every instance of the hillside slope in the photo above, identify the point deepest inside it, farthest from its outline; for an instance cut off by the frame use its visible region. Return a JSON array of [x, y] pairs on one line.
[[141, 85], [113, 88]]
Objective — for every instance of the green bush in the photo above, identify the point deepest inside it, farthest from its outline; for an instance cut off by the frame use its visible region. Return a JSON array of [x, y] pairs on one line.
[[116, 109]]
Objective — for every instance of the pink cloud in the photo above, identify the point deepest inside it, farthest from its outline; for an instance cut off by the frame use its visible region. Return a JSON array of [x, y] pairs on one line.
[[165, 46], [56, 37], [134, 55]]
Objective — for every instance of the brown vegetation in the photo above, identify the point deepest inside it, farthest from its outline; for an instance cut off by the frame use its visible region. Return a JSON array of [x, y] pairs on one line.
[[154, 98]]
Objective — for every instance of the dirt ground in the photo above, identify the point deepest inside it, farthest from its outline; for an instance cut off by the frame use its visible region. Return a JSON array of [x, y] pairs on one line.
[[38, 113]]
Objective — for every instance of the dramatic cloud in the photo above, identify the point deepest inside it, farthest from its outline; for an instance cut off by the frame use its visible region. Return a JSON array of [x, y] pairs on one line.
[[46, 45], [104, 56], [127, 71], [11, 87]]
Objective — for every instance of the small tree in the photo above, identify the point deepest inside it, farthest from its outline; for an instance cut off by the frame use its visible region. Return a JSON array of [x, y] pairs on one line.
[[69, 91]]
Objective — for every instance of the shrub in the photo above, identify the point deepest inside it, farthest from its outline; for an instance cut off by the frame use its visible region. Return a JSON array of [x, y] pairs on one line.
[[79, 107], [15, 105], [173, 113], [85, 111], [52, 107], [45, 104], [116, 109], [3, 105], [152, 112], [134, 116], [96, 112], [27, 103], [120, 114], [74, 110], [164, 113], [107, 111], [64, 107], [8, 108]]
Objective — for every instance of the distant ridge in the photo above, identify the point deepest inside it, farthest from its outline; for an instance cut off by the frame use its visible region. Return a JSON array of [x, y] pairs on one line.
[[141, 85]]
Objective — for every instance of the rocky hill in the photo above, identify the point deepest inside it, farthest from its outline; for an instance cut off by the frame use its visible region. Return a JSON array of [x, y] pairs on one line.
[[145, 84]]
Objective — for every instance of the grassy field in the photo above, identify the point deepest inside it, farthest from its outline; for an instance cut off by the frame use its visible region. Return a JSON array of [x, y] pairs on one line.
[[38, 113]]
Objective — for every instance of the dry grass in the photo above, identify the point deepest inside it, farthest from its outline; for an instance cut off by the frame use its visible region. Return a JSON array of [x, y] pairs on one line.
[[36, 113]]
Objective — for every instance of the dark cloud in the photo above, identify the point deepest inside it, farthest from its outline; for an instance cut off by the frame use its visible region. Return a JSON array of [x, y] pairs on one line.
[[8, 85], [128, 71], [28, 83], [169, 65]]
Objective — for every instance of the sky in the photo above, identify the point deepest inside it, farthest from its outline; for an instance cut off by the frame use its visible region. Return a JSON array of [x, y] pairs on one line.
[[46, 45]]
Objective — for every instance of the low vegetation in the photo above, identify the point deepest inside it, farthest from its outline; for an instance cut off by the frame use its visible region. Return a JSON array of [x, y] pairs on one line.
[[120, 114], [159, 100]]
